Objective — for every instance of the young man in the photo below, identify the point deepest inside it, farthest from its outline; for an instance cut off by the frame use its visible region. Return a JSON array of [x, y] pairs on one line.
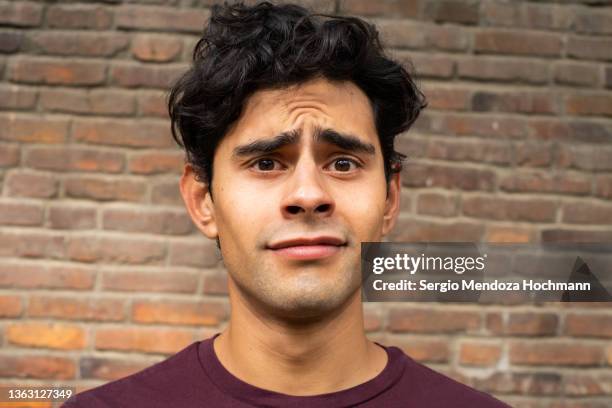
[[288, 121]]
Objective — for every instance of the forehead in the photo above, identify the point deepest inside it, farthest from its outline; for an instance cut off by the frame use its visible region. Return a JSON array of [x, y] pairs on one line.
[[342, 106]]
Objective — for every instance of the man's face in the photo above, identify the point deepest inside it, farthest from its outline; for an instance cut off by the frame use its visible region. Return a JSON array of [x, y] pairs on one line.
[[298, 184]]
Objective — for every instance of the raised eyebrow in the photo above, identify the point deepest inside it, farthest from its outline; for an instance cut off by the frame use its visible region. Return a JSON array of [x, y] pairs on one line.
[[269, 145], [344, 141]]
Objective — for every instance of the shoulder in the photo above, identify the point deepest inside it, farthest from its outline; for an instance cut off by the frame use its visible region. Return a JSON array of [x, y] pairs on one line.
[[149, 387], [435, 389]]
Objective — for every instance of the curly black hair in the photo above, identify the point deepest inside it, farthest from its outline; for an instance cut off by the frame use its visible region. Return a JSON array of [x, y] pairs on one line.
[[248, 48]]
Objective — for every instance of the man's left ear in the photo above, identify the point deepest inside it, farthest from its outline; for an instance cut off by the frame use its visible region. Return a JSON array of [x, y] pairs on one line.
[[392, 203]]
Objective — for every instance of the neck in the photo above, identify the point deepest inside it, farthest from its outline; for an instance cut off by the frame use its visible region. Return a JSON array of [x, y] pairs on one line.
[[319, 356]]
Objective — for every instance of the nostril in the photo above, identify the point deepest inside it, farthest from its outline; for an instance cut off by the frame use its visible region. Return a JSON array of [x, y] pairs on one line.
[[293, 209], [323, 208]]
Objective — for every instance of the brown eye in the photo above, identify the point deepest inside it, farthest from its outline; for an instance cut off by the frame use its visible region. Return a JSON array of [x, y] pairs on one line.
[[344, 165], [265, 164]]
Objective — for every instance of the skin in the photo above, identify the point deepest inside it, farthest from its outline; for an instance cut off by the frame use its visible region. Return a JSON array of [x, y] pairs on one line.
[[296, 326]]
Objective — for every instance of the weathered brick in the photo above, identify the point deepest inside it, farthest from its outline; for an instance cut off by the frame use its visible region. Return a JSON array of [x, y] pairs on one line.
[[547, 16], [532, 154], [427, 65], [196, 253], [173, 222], [500, 14], [95, 101], [408, 34], [21, 213], [152, 103], [479, 353], [156, 48], [74, 159], [451, 177], [115, 250], [433, 321], [517, 43], [147, 340], [108, 369], [46, 335], [577, 74], [71, 308], [9, 155], [67, 43], [46, 277], [140, 281], [593, 22], [510, 209], [175, 312], [425, 350], [587, 213], [499, 127], [129, 133], [399, 8], [589, 104], [37, 367], [135, 75], [10, 306], [575, 235], [161, 18], [157, 162], [590, 48], [32, 129], [17, 97], [105, 189], [443, 98], [503, 69], [43, 70], [10, 41], [515, 102], [469, 150], [20, 14], [583, 325], [28, 244], [437, 204], [416, 230], [167, 193], [215, 284], [510, 234], [82, 16], [531, 324], [522, 383], [562, 183], [555, 353], [586, 385], [453, 11], [603, 186], [61, 216]]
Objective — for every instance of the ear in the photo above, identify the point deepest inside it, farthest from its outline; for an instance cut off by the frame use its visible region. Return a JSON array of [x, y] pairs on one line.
[[392, 203], [196, 196]]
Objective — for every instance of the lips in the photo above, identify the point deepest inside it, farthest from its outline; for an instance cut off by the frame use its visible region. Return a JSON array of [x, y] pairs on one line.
[[308, 248], [308, 241]]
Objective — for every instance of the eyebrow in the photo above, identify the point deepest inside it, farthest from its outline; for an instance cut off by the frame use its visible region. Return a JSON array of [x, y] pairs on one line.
[[342, 140]]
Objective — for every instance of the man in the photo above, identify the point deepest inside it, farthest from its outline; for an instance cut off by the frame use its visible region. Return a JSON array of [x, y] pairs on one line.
[[288, 121]]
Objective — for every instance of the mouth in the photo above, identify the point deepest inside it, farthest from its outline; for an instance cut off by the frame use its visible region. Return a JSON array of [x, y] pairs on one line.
[[308, 248]]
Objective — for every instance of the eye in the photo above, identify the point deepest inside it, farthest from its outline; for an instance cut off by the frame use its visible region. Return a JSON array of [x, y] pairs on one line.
[[265, 164], [345, 165]]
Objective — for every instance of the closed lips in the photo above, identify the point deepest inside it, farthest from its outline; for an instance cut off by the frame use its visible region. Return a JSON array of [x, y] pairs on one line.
[[333, 241]]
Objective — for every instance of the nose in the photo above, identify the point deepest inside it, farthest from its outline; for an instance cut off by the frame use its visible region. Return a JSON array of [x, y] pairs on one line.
[[307, 194]]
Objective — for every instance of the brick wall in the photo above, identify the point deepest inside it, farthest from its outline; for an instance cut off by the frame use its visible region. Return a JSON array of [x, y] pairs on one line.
[[102, 272]]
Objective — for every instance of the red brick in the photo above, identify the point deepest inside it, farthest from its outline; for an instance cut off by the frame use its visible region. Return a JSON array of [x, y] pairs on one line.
[[156, 48], [503, 69], [10, 42], [30, 184], [20, 213], [589, 48], [111, 249], [515, 102], [71, 308], [41, 70], [83, 16], [585, 157], [399, 8], [555, 353], [32, 129], [69, 216], [20, 14], [510, 234], [531, 324], [109, 369], [440, 98], [453, 11], [167, 193], [433, 321], [603, 186], [583, 325], [105, 189], [9, 155], [500, 14], [545, 16], [530, 154], [589, 104], [152, 104], [140, 281], [577, 74], [175, 312], [517, 43], [74, 159], [95, 101], [161, 18], [460, 150], [479, 353], [14, 275], [575, 235], [197, 253], [450, 177], [522, 383], [157, 162], [425, 350], [38, 367], [510, 209], [587, 213], [46, 335], [147, 340], [128, 133], [17, 97], [563, 183], [27, 244], [136, 75], [408, 34], [416, 230], [67, 43], [147, 221], [587, 385], [215, 284], [593, 21], [10, 306], [499, 127], [437, 204]]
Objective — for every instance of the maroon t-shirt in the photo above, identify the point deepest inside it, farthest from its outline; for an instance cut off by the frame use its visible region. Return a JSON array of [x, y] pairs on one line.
[[194, 377]]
